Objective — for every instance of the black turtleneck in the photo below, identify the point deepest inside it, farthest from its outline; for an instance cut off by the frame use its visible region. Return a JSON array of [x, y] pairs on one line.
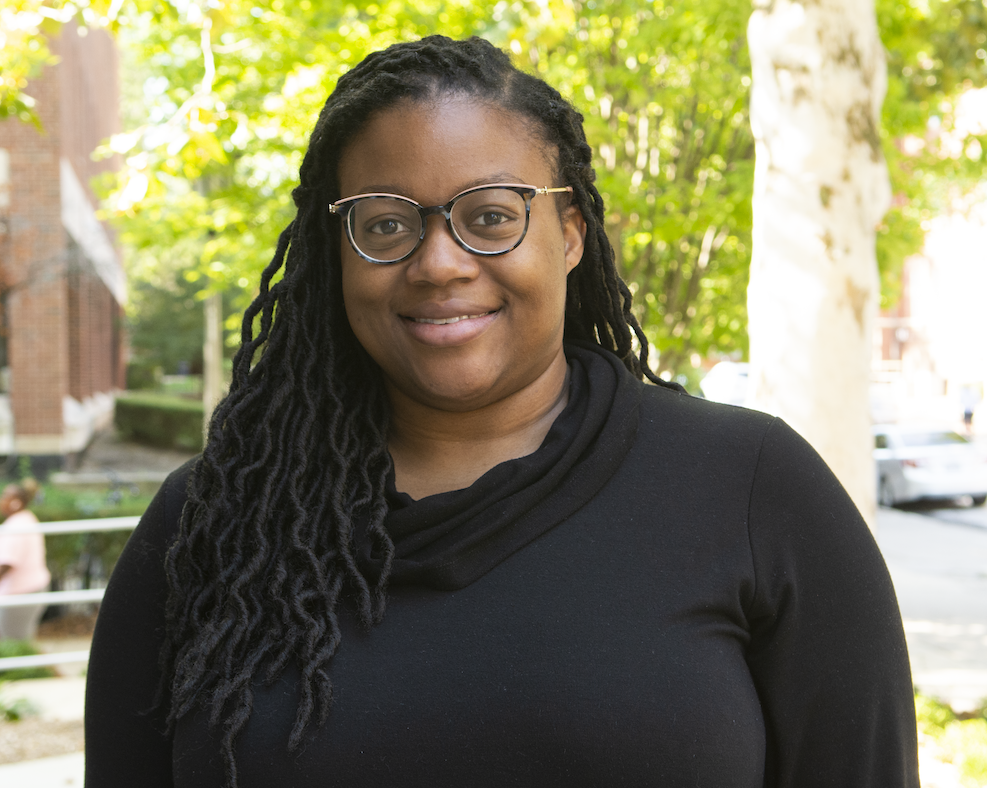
[[668, 592]]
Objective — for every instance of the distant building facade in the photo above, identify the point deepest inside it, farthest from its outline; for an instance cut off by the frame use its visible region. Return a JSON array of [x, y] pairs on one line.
[[930, 349], [62, 285]]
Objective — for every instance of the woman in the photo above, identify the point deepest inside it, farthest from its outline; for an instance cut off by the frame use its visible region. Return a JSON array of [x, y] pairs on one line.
[[22, 560], [588, 580]]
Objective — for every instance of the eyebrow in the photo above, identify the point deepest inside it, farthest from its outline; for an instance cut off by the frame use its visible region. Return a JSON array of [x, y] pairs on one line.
[[497, 177]]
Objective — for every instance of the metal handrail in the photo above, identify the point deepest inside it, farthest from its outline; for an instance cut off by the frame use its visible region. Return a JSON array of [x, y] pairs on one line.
[[53, 598], [60, 597], [75, 526], [44, 660]]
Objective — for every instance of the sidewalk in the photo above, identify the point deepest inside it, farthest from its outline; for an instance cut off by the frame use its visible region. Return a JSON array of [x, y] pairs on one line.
[[61, 771], [57, 701], [939, 570]]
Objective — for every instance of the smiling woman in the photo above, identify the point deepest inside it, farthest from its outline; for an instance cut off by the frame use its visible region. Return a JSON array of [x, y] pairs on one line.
[[588, 579], [469, 345]]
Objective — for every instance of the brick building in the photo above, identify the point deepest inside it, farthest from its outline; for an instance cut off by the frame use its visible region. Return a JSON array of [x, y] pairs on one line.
[[61, 281]]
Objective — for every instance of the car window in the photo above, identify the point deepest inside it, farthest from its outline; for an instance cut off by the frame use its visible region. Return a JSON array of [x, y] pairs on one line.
[[931, 438], [880, 441]]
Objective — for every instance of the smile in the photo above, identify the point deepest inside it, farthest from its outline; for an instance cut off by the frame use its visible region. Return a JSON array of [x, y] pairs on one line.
[[444, 321]]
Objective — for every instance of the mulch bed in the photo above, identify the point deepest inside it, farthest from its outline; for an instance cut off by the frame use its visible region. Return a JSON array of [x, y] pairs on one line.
[[33, 737], [71, 625]]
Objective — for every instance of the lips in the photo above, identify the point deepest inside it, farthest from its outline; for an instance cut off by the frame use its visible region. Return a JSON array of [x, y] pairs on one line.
[[446, 326], [445, 321]]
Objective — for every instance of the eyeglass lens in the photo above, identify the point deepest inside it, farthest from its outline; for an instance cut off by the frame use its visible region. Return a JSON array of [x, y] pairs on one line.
[[486, 220]]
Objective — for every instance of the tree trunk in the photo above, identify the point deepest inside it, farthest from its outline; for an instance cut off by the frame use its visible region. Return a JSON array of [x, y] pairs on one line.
[[820, 188], [212, 358]]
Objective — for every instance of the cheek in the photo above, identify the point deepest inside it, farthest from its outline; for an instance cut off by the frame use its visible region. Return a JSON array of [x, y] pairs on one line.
[[365, 297], [357, 297]]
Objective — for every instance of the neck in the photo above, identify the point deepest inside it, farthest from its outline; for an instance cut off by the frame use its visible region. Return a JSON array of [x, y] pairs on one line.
[[436, 451]]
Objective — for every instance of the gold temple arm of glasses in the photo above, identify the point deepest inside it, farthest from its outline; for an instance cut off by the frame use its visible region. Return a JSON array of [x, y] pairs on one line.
[[555, 190]]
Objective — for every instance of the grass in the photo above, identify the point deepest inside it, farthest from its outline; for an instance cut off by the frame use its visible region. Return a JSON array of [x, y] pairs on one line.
[[61, 503], [961, 742]]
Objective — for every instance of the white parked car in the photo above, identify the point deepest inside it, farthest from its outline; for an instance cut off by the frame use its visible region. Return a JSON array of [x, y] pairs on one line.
[[915, 462]]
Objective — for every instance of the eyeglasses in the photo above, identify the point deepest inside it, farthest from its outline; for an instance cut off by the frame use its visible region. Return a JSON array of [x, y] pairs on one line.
[[486, 220]]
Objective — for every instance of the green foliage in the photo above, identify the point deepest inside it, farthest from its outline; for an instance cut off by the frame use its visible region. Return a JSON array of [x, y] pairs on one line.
[[58, 503], [960, 742], [225, 100], [23, 53], [665, 88], [232, 96], [143, 375], [166, 323], [207, 184], [160, 420], [25, 26], [932, 715], [19, 648], [86, 556]]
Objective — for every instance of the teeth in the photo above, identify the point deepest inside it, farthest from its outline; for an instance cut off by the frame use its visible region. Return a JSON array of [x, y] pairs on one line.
[[444, 321]]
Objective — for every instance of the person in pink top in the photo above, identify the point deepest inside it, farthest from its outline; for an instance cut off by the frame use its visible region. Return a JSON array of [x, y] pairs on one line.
[[22, 560]]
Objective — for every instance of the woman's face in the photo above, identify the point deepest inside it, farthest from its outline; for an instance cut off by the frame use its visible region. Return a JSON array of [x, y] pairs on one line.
[[450, 329], [9, 501]]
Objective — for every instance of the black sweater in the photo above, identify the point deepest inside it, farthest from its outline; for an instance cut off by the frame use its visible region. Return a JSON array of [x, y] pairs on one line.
[[668, 592]]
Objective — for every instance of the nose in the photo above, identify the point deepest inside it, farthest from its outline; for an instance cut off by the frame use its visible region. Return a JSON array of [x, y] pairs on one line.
[[440, 259]]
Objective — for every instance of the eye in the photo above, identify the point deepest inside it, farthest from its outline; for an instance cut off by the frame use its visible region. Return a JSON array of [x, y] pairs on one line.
[[490, 218], [388, 226]]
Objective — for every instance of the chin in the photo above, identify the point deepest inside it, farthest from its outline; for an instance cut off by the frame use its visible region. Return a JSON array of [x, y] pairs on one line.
[[458, 399]]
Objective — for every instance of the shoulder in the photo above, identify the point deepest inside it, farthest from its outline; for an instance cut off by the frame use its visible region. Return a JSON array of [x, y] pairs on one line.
[[158, 526], [22, 519], [687, 426], [782, 467]]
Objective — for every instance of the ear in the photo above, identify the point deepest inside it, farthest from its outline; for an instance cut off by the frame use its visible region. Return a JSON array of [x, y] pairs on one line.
[[15, 505], [574, 235]]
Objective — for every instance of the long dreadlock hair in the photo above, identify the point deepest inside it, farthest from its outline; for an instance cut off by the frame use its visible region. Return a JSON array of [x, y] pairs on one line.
[[296, 457]]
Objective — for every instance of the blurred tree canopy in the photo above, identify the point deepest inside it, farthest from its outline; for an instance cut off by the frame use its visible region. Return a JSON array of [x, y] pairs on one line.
[[23, 53], [223, 95], [25, 27]]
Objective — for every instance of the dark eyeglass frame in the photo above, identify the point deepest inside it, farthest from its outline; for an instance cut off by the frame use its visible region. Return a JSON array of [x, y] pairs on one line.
[[342, 209]]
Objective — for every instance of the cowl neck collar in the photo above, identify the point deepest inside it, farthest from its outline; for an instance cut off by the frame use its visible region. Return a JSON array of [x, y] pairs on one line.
[[449, 540]]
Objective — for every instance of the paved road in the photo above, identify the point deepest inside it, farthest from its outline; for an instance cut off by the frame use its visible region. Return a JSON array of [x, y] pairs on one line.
[[938, 561]]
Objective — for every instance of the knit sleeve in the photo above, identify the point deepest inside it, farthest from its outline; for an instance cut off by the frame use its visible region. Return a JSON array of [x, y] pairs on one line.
[[125, 740], [827, 648]]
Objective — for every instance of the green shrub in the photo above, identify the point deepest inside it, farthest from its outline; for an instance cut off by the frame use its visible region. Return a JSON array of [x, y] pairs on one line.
[[143, 376], [22, 648], [160, 420], [962, 742], [86, 555]]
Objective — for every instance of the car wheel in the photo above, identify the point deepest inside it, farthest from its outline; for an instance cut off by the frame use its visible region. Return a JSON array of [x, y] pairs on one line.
[[885, 495], [978, 500]]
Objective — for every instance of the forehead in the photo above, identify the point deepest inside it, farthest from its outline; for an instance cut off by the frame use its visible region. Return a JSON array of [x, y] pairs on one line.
[[432, 150]]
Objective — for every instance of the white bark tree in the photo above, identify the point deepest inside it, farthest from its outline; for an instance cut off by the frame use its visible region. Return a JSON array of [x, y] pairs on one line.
[[820, 189]]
